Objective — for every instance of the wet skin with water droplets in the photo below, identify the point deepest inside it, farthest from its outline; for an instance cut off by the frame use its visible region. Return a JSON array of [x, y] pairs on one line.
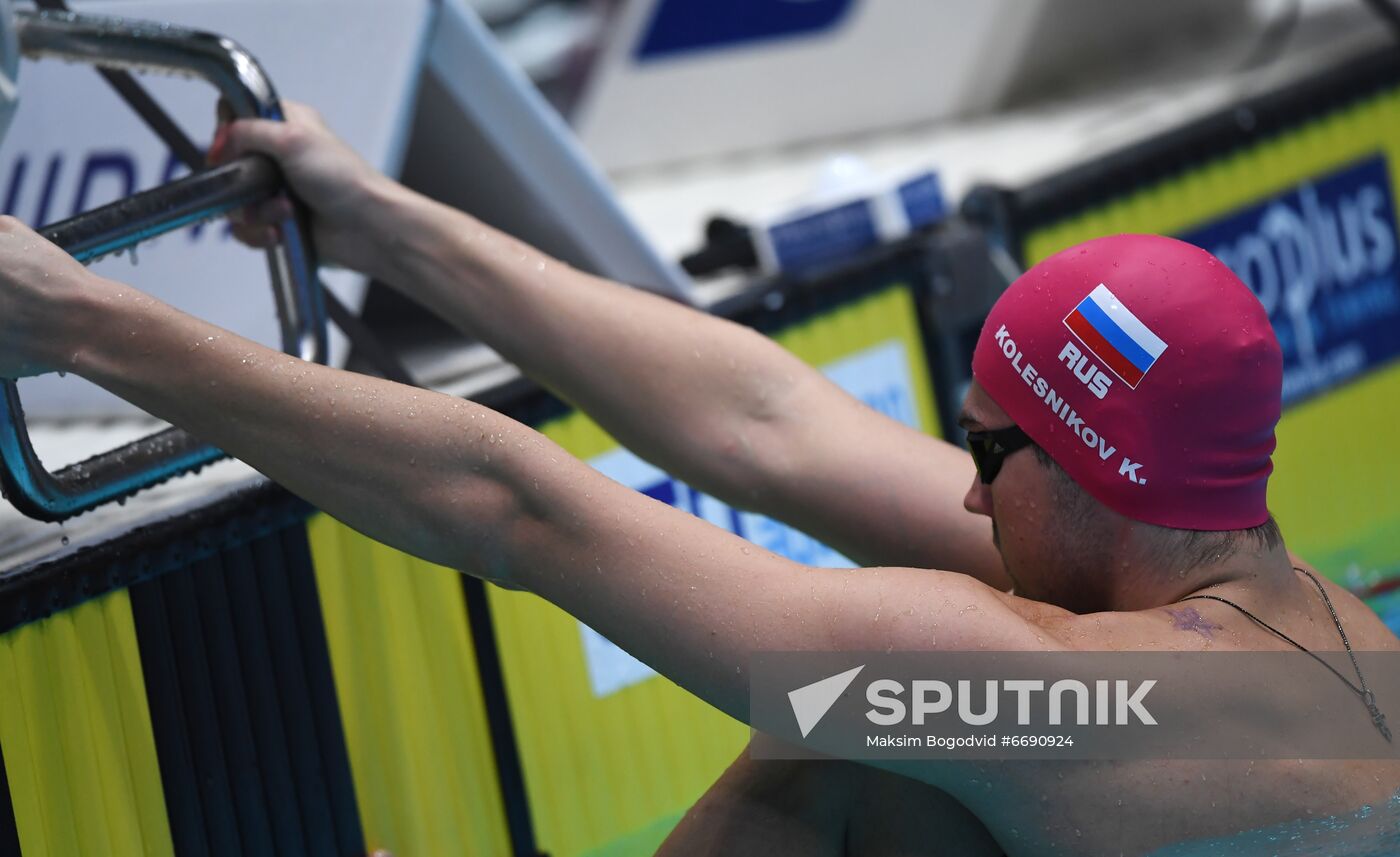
[[1187, 619]]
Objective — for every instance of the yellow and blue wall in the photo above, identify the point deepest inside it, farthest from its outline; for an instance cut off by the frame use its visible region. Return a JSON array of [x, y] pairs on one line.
[[1296, 191], [258, 678]]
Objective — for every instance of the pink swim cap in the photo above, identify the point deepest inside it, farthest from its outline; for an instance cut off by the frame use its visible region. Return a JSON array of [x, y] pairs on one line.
[[1149, 372]]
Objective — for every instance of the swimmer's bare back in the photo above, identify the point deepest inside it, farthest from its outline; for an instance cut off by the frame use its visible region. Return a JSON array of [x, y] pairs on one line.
[[773, 808], [825, 808]]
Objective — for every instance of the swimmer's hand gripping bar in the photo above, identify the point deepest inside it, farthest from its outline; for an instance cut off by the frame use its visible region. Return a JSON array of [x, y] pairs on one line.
[[115, 43]]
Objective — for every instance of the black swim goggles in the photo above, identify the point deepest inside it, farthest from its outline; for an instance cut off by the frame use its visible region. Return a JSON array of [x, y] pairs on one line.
[[990, 448]]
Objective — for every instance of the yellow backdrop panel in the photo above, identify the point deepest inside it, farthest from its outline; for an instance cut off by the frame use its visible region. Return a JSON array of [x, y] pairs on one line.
[[410, 700], [76, 733]]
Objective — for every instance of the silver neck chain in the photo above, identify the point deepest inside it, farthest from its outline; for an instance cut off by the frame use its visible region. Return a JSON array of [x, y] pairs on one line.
[[1367, 697]]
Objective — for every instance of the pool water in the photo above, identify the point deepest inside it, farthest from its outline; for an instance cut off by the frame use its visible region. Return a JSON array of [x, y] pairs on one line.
[[1372, 831]]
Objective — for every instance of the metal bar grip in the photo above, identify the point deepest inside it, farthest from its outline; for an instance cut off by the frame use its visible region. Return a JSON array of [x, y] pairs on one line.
[[140, 217], [147, 47]]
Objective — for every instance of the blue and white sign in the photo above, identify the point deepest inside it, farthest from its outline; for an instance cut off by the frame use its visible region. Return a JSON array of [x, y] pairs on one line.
[[74, 146], [878, 376], [824, 237], [680, 26], [1322, 258]]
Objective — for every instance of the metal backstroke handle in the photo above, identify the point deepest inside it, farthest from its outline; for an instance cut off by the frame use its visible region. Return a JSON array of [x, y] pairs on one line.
[[159, 48]]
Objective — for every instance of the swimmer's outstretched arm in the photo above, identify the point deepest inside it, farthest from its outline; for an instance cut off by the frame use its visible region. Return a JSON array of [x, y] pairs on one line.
[[461, 485], [717, 404]]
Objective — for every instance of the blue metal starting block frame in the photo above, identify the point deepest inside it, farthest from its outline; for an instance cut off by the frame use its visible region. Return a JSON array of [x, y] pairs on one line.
[[146, 47]]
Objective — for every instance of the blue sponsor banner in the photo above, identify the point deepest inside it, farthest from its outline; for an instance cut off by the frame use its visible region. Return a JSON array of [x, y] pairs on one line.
[[1322, 258], [922, 198], [682, 26], [825, 237]]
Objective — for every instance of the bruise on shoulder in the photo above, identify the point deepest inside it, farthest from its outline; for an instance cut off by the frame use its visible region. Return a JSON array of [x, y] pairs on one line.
[[1190, 619]]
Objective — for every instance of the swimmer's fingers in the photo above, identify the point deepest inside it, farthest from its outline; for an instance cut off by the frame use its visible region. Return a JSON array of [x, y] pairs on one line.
[[268, 136], [256, 235], [214, 155], [321, 171], [281, 139], [268, 212], [257, 224], [299, 113]]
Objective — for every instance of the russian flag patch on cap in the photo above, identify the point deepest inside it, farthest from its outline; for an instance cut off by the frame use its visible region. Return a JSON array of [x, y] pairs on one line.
[[1115, 335]]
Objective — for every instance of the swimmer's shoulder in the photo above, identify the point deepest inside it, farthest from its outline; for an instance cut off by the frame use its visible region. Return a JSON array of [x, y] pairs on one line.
[[1365, 629], [1177, 627], [1063, 630], [1059, 629], [1153, 629]]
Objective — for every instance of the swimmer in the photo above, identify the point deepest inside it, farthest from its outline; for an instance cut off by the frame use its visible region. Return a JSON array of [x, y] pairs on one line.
[[1110, 488]]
